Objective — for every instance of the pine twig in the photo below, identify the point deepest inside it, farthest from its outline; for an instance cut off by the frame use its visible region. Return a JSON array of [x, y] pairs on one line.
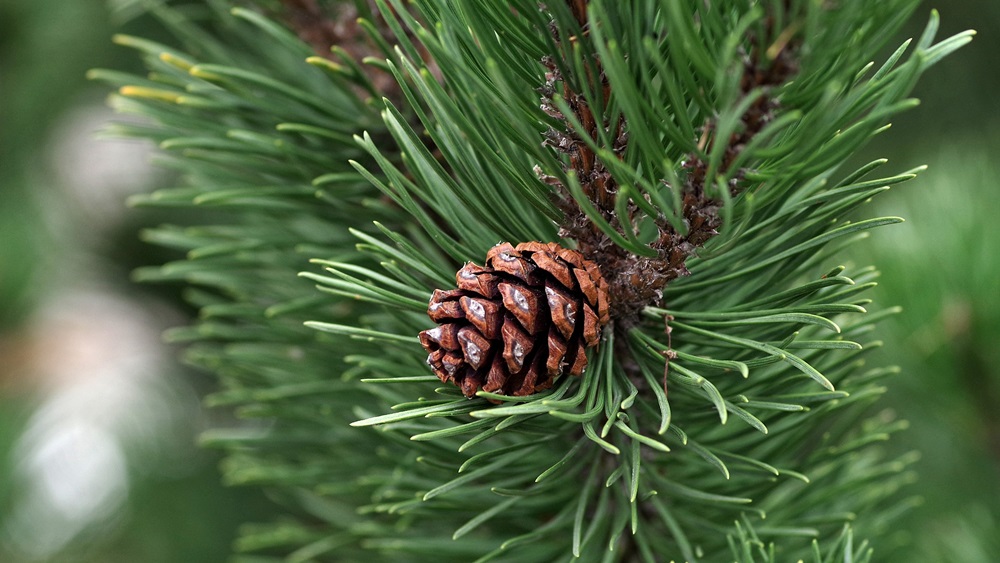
[[636, 281]]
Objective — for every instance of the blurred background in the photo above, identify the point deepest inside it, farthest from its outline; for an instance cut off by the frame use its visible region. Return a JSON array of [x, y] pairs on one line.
[[98, 421]]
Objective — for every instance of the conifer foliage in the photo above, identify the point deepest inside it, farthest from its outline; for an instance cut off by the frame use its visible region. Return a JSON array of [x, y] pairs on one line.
[[340, 164]]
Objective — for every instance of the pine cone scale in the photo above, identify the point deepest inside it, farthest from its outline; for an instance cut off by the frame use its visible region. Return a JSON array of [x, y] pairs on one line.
[[517, 345], [588, 288], [562, 310], [476, 279], [475, 347], [559, 271], [497, 375], [516, 324], [557, 351], [484, 314], [591, 327], [442, 309], [523, 304], [577, 360]]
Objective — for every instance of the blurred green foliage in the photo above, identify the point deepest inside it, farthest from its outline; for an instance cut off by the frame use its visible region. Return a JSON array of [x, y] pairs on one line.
[[45, 46], [942, 266], [958, 99], [182, 513]]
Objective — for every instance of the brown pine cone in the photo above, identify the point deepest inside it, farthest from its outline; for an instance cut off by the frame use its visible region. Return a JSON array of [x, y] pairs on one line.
[[515, 325]]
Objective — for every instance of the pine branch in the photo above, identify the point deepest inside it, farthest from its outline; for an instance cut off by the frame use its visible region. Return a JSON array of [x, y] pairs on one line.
[[767, 378], [603, 407], [637, 281]]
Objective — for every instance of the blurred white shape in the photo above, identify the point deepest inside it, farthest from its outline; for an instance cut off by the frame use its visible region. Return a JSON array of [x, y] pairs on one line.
[[74, 475], [80, 468], [99, 174], [110, 411]]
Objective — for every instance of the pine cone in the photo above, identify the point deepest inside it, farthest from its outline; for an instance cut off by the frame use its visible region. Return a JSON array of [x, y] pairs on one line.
[[514, 326]]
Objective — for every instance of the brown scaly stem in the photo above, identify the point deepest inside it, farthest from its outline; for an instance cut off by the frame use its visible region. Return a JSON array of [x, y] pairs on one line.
[[635, 281]]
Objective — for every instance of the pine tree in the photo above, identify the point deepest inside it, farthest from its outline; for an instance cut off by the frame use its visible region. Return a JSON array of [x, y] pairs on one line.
[[340, 163]]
